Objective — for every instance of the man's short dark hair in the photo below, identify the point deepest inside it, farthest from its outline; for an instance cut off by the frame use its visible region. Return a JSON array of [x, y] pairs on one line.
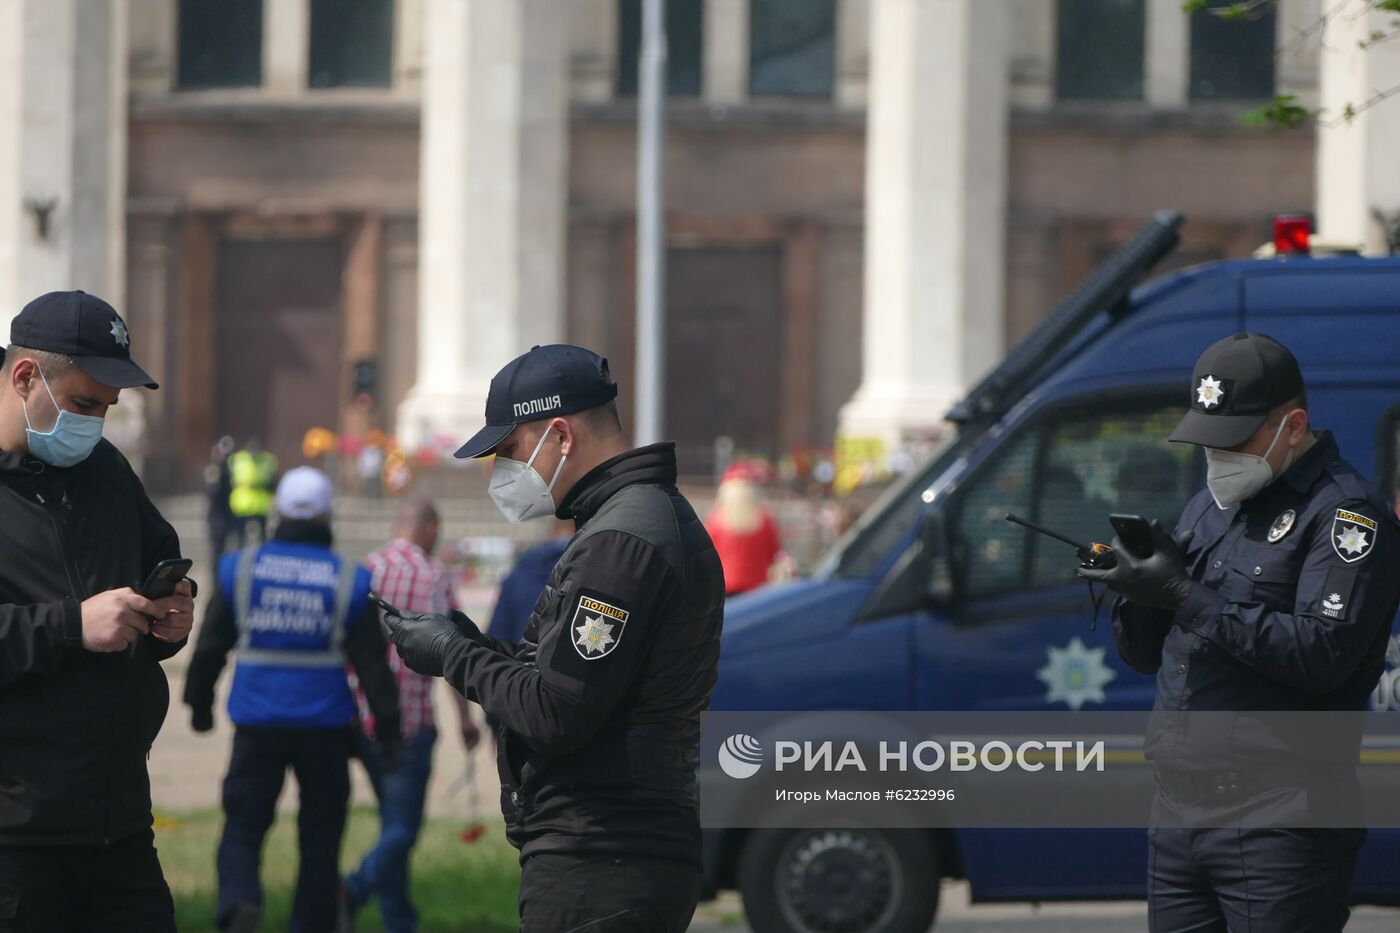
[[52, 364], [603, 420], [1298, 401]]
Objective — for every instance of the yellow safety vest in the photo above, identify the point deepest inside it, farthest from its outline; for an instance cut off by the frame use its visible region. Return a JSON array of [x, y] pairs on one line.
[[250, 477]]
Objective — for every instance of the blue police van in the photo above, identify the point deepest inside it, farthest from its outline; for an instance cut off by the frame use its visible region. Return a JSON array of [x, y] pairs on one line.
[[933, 602]]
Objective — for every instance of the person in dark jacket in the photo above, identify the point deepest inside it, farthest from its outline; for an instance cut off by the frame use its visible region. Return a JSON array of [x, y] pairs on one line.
[[1277, 594], [296, 612], [217, 488], [599, 705], [522, 586], [82, 693]]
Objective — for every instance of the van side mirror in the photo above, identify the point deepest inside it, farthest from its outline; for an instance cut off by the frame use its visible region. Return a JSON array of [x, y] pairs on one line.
[[922, 577]]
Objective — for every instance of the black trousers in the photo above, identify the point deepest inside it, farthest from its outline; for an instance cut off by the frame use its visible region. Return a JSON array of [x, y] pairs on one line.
[[261, 756], [606, 894], [75, 889], [1251, 880]]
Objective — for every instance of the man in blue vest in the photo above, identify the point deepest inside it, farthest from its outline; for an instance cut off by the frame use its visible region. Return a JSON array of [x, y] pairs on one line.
[[297, 614]]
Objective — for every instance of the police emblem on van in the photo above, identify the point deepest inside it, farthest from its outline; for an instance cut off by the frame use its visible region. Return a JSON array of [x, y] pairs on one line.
[[596, 627], [1353, 535]]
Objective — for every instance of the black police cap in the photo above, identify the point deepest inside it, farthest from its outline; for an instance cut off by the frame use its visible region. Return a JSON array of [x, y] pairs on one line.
[[1235, 384], [553, 380], [86, 328]]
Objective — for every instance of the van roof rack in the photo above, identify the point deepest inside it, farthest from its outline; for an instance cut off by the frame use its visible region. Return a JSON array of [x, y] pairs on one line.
[[1106, 289]]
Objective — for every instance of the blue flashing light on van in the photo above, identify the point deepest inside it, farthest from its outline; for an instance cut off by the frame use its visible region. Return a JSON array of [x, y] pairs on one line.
[[933, 602]]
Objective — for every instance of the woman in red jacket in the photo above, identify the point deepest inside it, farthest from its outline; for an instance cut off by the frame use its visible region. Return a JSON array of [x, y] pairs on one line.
[[744, 532]]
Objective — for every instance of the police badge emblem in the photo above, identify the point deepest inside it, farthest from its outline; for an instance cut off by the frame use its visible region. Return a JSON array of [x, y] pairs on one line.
[[1353, 535], [1282, 526], [596, 627], [1210, 393]]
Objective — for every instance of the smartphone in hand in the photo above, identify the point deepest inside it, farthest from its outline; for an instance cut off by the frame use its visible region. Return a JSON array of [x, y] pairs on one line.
[[165, 577], [1135, 533], [384, 606]]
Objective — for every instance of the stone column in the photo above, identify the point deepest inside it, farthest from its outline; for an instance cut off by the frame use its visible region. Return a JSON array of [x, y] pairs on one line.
[[1033, 55], [286, 46], [14, 234], [1358, 189], [152, 46], [592, 40], [1298, 42], [726, 48], [935, 213], [63, 89], [492, 205], [408, 47], [1167, 70], [852, 52], [62, 149]]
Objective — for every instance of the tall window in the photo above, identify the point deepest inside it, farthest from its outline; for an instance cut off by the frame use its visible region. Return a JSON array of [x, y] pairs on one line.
[[1100, 50], [351, 43], [684, 44], [792, 47], [1233, 59], [220, 43]]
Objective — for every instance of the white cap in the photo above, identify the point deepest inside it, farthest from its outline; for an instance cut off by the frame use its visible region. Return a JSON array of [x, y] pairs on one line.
[[304, 492]]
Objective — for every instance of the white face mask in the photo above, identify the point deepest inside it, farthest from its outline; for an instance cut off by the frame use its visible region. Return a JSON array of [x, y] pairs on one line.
[[1234, 477], [519, 492]]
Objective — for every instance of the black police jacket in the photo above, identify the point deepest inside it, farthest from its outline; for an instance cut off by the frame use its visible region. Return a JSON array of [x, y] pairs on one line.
[[599, 706], [1294, 598], [75, 726]]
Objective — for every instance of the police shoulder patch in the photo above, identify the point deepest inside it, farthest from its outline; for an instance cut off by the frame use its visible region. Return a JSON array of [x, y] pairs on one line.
[[596, 625], [1353, 535]]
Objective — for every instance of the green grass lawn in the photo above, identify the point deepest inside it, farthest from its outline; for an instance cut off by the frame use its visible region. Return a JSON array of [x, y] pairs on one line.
[[456, 887]]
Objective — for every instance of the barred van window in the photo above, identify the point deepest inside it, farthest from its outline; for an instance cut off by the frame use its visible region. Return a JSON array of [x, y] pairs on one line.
[[995, 550], [1069, 475], [1095, 465]]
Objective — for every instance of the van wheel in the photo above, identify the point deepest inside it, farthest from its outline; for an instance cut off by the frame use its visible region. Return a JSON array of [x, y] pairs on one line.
[[839, 881]]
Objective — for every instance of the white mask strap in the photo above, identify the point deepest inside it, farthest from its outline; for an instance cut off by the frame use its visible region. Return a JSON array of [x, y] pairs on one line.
[[557, 470], [58, 411]]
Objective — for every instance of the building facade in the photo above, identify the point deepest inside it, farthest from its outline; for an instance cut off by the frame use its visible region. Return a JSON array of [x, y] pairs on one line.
[[349, 213]]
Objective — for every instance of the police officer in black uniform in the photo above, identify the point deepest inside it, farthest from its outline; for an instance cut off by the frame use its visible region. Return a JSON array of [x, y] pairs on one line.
[[598, 708], [1277, 593]]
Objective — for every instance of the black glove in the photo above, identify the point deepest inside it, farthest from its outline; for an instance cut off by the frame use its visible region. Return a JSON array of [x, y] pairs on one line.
[[424, 638], [201, 720], [1160, 580], [465, 625]]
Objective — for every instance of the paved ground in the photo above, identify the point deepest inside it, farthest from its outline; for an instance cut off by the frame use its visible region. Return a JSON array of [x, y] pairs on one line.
[[187, 768], [956, 915]]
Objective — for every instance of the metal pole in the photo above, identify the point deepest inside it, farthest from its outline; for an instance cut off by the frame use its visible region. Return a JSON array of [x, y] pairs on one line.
[[651, 231]]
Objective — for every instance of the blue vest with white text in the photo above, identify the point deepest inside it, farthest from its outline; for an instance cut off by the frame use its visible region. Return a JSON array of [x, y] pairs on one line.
[[294, 603]]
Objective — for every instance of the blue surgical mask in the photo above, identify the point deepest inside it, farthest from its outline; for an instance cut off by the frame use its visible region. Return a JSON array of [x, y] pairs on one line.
[[71, 439]]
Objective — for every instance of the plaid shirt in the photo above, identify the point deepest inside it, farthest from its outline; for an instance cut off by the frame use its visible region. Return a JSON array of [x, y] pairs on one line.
[[408, 578]]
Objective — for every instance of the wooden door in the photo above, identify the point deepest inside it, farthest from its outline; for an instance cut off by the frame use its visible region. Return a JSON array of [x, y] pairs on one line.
[[724, 356], [280, 333]]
